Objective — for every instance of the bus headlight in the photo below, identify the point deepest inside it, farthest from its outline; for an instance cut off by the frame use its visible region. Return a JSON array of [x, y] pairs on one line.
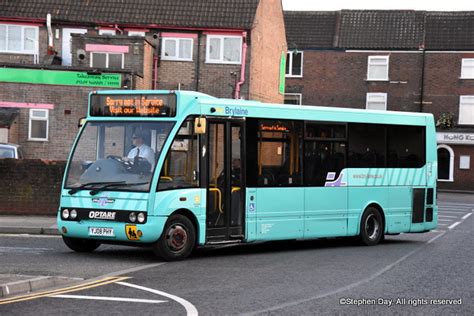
[[141, 217], [65, 213], [132, 217], [73, 214]]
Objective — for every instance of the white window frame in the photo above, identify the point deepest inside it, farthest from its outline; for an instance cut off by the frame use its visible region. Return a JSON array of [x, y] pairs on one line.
[[370, 63], [463, 102], [136, 33], [378, 94], [290, 67], [299, 95], [177, 40], [464, 65], [107, 32], [22, 40], [106, 58], [221, 59], [451, 162], [31, 118]]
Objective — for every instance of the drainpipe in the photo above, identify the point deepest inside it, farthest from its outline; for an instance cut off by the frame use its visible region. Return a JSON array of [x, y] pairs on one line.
[[155, 72], [116, 27], [50, 34], [242, 68]]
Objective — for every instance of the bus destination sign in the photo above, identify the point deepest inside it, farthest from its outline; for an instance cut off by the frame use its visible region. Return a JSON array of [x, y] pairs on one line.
[[144, 105]]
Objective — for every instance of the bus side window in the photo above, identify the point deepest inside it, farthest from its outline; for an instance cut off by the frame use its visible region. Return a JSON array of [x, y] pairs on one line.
[[181, 168], [279, 153]]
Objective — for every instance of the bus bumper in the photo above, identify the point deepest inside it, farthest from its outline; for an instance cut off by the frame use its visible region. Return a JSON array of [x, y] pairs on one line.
[[120, 232]]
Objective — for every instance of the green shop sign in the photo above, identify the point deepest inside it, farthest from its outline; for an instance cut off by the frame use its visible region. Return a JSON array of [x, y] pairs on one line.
[[68, 78], [281, 88]]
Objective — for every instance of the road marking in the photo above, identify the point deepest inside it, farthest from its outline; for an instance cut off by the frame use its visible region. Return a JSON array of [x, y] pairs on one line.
[[442, 224], [347, 287], [454, 209], [466, 216], [445, 220], [190, 308], [457, 204], [454, 225], [458, 212], [79, 287], [447, 216], [131, 270], [115, 299], [30, 236]]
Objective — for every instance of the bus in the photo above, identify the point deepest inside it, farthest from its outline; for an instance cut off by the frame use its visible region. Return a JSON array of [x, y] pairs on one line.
[[218, 171]]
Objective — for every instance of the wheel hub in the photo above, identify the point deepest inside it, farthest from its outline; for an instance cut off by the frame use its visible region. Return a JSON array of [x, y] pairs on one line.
[[177, 237], [372, 227]]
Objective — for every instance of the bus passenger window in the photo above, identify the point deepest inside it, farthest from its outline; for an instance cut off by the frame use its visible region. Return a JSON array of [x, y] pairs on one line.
[[180, 169], [406, 146], [279, 153], [367, 145]]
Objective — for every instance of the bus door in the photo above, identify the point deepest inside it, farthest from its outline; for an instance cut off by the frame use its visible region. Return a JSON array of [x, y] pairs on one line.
[[225, 180]]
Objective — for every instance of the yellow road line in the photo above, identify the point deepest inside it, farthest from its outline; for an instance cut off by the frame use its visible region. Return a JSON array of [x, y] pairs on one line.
[[75, 288]]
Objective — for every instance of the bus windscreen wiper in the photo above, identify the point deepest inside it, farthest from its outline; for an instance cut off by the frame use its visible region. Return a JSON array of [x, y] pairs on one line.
[[86, 185], [116, 184]]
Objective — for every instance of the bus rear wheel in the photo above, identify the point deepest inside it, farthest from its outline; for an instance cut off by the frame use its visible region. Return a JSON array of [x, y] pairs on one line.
[[177, 240], [81, 245], [371, 227]]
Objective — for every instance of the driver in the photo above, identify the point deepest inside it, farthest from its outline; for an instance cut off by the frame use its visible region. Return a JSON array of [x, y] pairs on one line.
[[141, 150]]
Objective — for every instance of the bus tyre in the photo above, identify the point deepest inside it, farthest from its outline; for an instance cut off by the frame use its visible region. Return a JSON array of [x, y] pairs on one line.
[[81, 245], [371, 227], [177, 240]]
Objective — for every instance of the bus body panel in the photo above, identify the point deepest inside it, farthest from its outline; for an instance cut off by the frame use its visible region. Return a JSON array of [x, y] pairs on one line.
[[359, 199], [326, 213], [280, 213], [193, 199], [251, 214], [151, 230]]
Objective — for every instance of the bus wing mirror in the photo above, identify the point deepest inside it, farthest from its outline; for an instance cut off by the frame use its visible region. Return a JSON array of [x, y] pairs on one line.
[[200, 125], [81, 122]]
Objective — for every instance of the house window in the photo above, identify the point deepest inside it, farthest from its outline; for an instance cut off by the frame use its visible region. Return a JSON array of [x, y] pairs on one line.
[[177, 49], [293, 98], [136, 33], [467, 68], [466, 109], [377, 68], [376, 101], [38, 125], [107, 32], [224, 49], [294, 64], [107, 60], [18, 39], [445, 163]]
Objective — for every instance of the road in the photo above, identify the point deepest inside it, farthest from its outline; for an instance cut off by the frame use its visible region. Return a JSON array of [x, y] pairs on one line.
[[407, 274]]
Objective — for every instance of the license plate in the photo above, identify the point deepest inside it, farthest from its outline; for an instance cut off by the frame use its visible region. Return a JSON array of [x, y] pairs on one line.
[[101, 231]]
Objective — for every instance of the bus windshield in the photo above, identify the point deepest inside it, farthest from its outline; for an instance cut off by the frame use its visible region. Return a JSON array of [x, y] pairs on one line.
[[118, 155]]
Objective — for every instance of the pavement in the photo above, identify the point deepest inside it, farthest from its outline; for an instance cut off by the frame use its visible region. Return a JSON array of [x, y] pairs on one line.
[[46, 225]]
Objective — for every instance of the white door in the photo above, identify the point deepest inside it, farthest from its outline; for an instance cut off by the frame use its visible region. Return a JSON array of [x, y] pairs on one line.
[[3, 135], [66, 48]]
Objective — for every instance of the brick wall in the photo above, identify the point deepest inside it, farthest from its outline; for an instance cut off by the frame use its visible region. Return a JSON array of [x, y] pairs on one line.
[[463, 178], [336, 78], [268, 43], [30, 187], [443, 83], [70, 104]]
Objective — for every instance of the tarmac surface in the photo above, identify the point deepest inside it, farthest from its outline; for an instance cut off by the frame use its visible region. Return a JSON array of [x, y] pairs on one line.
[[14, 284]]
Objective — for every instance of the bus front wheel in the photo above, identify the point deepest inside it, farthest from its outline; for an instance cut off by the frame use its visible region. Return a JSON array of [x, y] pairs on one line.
[[177, 240], [81, 245], [371, 227]]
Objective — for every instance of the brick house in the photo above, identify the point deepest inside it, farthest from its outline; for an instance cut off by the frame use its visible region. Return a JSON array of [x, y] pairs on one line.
[[399, 60], [52, 54]]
